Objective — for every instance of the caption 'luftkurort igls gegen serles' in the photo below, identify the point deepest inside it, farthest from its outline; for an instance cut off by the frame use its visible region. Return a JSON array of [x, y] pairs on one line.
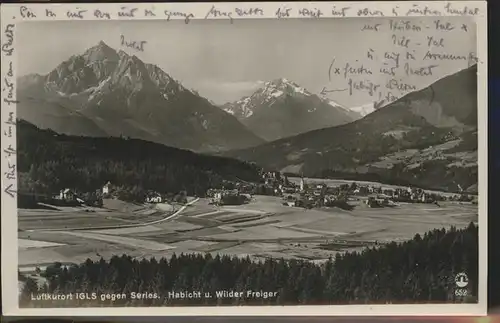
[[143, 296]]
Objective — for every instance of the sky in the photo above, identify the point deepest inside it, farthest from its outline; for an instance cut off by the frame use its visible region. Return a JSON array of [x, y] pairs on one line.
[[224, 61]]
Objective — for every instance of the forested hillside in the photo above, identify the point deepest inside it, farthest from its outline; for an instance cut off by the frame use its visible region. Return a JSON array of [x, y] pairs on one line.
[[48, 162], [421, 270]]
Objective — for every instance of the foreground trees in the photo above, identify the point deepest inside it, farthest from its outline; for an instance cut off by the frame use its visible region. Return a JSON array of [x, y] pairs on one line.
[[420, 270]]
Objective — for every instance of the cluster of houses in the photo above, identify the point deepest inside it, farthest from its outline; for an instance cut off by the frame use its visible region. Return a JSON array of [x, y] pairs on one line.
[[299, 194], [313, 195], [71, 197], [319, 194], [228, 197]]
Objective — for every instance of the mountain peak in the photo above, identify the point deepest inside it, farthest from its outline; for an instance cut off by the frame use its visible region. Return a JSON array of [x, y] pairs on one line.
[[105, 92], [280, 86], [103, 46], [289, 108], [99, 52], [282, 82]]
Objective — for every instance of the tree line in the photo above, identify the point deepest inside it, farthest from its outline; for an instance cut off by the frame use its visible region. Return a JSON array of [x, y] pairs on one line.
[[421, 270]]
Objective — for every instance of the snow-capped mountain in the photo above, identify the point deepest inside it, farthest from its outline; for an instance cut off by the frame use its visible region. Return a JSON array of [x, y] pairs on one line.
[[364, 109], [427, 138], [282, 108], [103, 92], [267, 95]]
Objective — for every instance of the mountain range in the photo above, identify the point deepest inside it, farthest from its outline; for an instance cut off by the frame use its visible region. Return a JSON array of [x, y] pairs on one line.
[[107, 93], [103, 92], [427, 138], [282, 108]]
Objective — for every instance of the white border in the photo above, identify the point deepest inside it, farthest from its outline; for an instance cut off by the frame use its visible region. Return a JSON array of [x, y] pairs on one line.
[[11, 14]]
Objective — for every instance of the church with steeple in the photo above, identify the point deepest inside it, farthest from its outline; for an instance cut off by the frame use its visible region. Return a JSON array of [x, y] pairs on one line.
[[302, 184]]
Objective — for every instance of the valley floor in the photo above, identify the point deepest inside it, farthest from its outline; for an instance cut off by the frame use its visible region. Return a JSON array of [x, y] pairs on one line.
[[261, 229]]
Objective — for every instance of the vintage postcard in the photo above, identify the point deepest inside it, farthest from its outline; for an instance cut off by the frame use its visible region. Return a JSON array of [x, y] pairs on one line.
[[244, 158]]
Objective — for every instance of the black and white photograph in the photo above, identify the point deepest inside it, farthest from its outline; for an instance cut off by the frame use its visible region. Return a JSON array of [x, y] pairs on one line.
[[197, 162]]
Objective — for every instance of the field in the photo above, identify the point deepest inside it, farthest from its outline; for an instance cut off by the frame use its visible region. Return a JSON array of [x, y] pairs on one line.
[[261, 229]]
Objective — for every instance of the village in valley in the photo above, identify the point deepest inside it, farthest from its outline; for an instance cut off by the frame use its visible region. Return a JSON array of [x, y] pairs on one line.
[[292, 191]]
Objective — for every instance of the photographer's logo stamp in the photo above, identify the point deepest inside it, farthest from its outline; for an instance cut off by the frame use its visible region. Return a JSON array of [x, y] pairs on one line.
[[461, 282]]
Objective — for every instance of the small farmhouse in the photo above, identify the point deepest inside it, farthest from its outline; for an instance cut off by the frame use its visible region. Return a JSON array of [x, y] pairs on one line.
[[67, 195]]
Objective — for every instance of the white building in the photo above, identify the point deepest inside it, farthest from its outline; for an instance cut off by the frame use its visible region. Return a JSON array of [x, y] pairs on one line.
[[67, 194], [106, 188], [154, 198]]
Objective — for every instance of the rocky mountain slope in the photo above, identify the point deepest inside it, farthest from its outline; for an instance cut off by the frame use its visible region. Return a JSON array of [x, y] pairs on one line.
[[282, 109], [427, 138], [108, 93]]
